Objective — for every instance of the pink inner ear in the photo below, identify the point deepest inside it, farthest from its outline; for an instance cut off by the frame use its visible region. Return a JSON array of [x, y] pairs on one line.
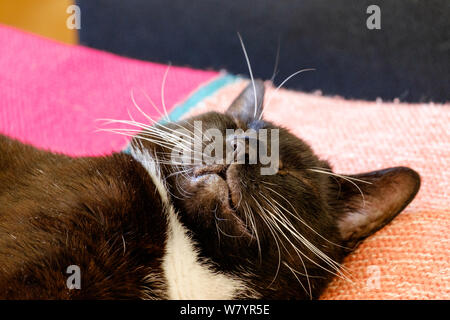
[[388, 194]]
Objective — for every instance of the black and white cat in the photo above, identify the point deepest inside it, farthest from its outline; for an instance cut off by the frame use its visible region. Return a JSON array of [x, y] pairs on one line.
[[139, 226]]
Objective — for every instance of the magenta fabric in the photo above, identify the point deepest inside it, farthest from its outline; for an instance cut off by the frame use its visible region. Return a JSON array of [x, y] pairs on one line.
[[51, 94]]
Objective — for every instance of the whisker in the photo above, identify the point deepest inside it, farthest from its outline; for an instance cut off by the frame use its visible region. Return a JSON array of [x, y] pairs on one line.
[[277, 59], [297, 216], [162, 92], [323, 257], [294, 272], [250, 71], [280, 218], [150, 129], [139, 108], [346, 179], [282, 83], [343, 175], [254, 229], [274, 235]]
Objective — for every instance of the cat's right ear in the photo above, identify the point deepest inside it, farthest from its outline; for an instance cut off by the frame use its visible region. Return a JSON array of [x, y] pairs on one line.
[[368, 201], [248, 105]]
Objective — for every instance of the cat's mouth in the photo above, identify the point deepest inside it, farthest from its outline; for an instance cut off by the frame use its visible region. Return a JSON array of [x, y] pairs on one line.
[[224, 173]]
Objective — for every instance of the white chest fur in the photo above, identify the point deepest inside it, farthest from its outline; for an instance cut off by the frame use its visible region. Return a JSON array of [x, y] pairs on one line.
[[187, 276]]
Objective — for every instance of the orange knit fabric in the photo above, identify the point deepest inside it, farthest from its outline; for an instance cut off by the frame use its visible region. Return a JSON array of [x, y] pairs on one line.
[[409, 258]]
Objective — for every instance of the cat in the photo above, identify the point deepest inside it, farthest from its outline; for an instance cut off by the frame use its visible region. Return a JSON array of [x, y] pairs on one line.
[[137, 225]]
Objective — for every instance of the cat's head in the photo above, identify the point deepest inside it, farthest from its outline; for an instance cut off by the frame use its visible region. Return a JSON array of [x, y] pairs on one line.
[[282, 220]]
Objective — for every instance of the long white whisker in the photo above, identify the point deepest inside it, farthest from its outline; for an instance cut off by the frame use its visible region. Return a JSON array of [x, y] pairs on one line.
[[294, 272], [280, 218], [162, 92], [282, 83], [149, 128], [274, 235], [277, 59], [342, 175], [250, 71], [297, 215], [254, 229], [346, 179], [323, 257]]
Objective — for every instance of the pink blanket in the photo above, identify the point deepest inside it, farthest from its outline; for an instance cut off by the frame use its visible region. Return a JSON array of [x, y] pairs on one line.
[[51, 94]]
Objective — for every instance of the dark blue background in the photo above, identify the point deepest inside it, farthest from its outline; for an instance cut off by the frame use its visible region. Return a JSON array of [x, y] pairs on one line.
[[407, 59]]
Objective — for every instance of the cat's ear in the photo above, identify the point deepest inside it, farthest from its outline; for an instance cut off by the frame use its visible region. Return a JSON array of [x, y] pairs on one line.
[[367, 202], [249, 104]]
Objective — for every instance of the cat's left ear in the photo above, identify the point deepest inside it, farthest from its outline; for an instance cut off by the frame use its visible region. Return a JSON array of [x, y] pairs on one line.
[[248, 105], [367, 202]]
